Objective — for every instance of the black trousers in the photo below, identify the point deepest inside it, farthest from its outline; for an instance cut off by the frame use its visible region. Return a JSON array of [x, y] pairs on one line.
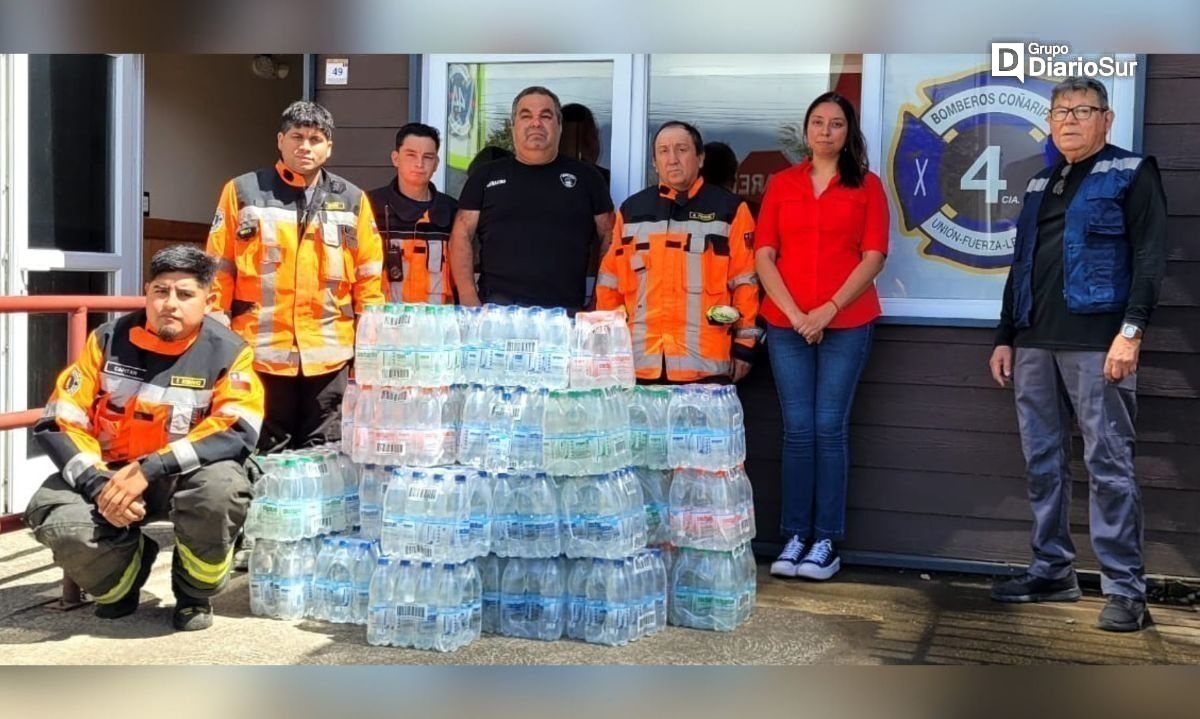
[[302, 411]]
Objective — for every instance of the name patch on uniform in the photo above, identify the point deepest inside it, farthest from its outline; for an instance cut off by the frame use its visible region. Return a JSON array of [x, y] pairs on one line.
[[702, 216], [124, 370], [335, 205], [493, 183], [74, 380], [190, 382]]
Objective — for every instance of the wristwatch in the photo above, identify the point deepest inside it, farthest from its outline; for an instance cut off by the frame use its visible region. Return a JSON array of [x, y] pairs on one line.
[[1131, 331]]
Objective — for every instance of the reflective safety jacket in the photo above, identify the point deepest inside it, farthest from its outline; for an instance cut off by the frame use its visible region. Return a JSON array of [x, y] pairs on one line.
[[416, 245], [293, 295], [673, 256], [174, 406]]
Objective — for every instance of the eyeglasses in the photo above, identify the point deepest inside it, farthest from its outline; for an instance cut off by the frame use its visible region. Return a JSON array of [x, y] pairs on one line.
[[1061, 185], [1081, 112]]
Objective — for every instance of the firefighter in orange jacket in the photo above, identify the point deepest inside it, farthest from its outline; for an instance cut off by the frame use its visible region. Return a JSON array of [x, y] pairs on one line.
[[298, 257], [415, 220], [681, 265], [156, 418]]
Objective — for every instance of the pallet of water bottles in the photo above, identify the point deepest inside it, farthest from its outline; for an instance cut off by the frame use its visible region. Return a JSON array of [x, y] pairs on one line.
[[562, 432], [422, 345]]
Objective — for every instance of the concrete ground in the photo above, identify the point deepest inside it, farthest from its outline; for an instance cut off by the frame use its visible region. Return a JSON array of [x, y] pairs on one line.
[[865, 616]]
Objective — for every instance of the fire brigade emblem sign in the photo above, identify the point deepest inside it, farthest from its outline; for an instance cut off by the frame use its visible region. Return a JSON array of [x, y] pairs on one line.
[[960, 163], [460, 87]]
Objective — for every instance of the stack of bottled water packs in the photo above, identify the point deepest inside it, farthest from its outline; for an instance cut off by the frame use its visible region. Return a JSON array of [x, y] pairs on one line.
[[307, 560], [499, 437], [710, 509]]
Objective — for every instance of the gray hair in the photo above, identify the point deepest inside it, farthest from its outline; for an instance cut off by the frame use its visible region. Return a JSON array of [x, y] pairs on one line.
[[1080, 84], [537, 90]]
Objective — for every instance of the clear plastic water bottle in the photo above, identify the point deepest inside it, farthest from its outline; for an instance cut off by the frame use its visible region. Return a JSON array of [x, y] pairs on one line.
[[472, 599], [325, 551], [513, 599], [363, 567], [451, 620], [450, 356], [348, 473], [545, 597], [528, 430], [661, 588], [520, 347], [498, 454], [308, 556], [339, 585], [554, 348], [543, 535], [726, 591], [367, 356], [470, 320], [577, 597], [289, 581], [656, 487], [479, 541], [362, 443], [491, 570], [409, 612], [428, 628], [349, 401], [381, 619], [493, 339], [262, 578], [370, 493], [476, 422]]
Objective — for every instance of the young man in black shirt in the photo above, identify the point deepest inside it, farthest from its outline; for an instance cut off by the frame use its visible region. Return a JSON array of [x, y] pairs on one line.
[[537, 216], [1087, 265]]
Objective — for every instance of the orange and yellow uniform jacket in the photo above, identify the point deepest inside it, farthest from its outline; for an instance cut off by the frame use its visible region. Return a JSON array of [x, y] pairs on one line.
[[416, 244], [673, 256], [175, 406], [294, 272]]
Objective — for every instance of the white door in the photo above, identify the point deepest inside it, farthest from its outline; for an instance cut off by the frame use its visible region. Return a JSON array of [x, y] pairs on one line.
[[72, 219]]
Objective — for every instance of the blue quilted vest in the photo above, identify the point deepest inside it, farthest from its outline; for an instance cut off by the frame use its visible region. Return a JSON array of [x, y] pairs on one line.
[[1097, 253]]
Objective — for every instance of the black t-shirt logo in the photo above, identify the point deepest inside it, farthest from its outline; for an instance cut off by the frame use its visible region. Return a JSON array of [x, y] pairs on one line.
[[568, 179]]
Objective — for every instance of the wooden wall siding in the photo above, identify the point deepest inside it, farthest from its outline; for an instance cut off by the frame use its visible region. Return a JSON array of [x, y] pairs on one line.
[[367, 111], [936, 460]]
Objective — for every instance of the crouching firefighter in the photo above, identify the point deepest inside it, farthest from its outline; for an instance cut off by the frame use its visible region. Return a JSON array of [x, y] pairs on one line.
[[155, 419]]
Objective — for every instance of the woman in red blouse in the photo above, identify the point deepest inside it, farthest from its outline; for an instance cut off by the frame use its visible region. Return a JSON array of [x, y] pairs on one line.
[[821, 240]]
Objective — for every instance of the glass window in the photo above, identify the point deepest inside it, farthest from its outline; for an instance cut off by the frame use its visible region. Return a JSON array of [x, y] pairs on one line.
[[753, 103], [479, 106], [70, 152], [958, 150], [47, 336]]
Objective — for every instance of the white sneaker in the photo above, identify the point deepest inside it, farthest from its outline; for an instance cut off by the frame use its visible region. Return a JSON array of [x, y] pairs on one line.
[[789, 558], [821, 562]]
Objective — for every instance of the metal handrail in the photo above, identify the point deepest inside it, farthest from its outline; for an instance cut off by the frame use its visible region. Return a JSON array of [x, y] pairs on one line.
[[76, 307]]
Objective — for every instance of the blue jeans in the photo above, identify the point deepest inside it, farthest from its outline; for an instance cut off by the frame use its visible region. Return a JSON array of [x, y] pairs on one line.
[[816, 386]]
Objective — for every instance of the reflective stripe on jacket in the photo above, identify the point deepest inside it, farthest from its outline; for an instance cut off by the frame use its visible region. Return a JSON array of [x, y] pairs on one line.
[[175, 406], [294, 298], [675, 255]]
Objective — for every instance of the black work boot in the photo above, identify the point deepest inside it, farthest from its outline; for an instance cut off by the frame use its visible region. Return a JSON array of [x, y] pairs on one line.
[[1123, 614], [128, 604], [190, 614], [1028, 588]]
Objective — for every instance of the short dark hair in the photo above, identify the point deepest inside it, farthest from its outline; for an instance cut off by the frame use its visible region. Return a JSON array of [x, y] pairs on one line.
[[691, 131], [305, 113], [418, 129], [852, 160], [720, 164], [183, 258], [538, 90]]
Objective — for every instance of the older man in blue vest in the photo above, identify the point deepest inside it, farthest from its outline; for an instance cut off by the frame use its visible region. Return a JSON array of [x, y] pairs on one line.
[[1088, 262]]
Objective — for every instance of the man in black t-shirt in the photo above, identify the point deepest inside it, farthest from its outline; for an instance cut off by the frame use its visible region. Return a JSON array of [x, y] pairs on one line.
[[537, 216], [1087, 265]]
